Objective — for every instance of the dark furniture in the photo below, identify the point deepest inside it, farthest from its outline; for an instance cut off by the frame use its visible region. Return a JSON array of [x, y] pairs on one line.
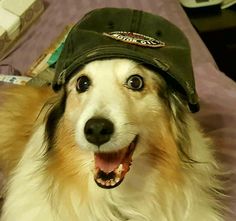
[[217, 29]]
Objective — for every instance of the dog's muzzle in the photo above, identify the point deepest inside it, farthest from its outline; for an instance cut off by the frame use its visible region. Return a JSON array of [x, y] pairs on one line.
[[110, 167]]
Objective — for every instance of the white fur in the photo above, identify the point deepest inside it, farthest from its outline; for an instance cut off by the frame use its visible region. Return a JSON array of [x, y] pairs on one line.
[[105, 100], [33, 195]]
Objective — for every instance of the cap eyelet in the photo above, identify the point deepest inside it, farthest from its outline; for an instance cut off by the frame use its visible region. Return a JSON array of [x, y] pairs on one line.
[[111, 25], [158, 33]]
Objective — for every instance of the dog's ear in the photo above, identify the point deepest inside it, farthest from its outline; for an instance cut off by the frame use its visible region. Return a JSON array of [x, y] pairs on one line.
[[180, 123], [55, 113], [177, 103]]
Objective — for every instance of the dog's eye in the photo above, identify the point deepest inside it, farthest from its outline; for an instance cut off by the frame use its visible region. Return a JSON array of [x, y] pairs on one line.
[[135, 82], [83, 84]]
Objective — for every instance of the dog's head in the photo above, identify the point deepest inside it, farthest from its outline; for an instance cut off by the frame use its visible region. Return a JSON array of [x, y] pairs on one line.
[[113, 112]]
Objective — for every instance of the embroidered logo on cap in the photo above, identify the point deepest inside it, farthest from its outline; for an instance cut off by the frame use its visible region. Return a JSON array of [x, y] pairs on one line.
[[135, 38]]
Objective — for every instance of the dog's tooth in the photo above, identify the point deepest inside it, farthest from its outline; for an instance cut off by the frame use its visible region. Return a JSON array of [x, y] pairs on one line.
[[108, 183], [119, 170], [117, 179], [99, 180], [113, 183], [103, 182]]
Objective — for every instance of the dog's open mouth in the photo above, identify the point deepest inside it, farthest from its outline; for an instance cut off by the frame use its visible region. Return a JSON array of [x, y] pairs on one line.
[[111, 168]]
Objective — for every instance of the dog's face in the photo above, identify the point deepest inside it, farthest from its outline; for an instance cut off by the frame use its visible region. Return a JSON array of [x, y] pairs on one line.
[[116, 113]]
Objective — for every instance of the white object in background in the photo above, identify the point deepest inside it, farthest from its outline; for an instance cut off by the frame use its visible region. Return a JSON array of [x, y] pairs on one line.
[[2, 32], [199, 3], [3, 36], [10, 22], [17, 7], [12, 79], [227, 3]]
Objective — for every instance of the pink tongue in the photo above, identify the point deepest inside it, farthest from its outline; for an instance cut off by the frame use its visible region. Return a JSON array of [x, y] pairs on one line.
[[108, 162]]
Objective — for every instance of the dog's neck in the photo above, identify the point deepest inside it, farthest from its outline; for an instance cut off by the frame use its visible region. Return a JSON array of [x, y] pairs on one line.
[[136, 199]]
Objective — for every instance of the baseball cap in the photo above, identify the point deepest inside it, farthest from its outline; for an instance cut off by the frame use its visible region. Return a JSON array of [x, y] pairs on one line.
[[128, 33]]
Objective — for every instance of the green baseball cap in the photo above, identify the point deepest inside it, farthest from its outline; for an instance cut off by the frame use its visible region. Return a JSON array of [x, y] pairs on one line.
[[127, 33]]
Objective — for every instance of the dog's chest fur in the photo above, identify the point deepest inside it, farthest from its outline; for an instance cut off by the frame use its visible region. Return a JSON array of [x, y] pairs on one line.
[[130, 202], [34, 202]]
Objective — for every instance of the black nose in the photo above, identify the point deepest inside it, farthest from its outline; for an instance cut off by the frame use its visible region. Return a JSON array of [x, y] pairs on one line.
[[98, 130]]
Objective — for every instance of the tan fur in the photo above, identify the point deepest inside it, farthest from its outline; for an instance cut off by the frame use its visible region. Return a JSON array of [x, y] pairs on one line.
[[19, 110], [67, 166]]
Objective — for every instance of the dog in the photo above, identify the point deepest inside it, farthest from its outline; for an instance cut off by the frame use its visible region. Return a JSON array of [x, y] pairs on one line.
[[115, 144]]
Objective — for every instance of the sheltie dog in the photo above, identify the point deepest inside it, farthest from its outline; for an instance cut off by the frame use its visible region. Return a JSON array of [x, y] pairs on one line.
[[115, 144]]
